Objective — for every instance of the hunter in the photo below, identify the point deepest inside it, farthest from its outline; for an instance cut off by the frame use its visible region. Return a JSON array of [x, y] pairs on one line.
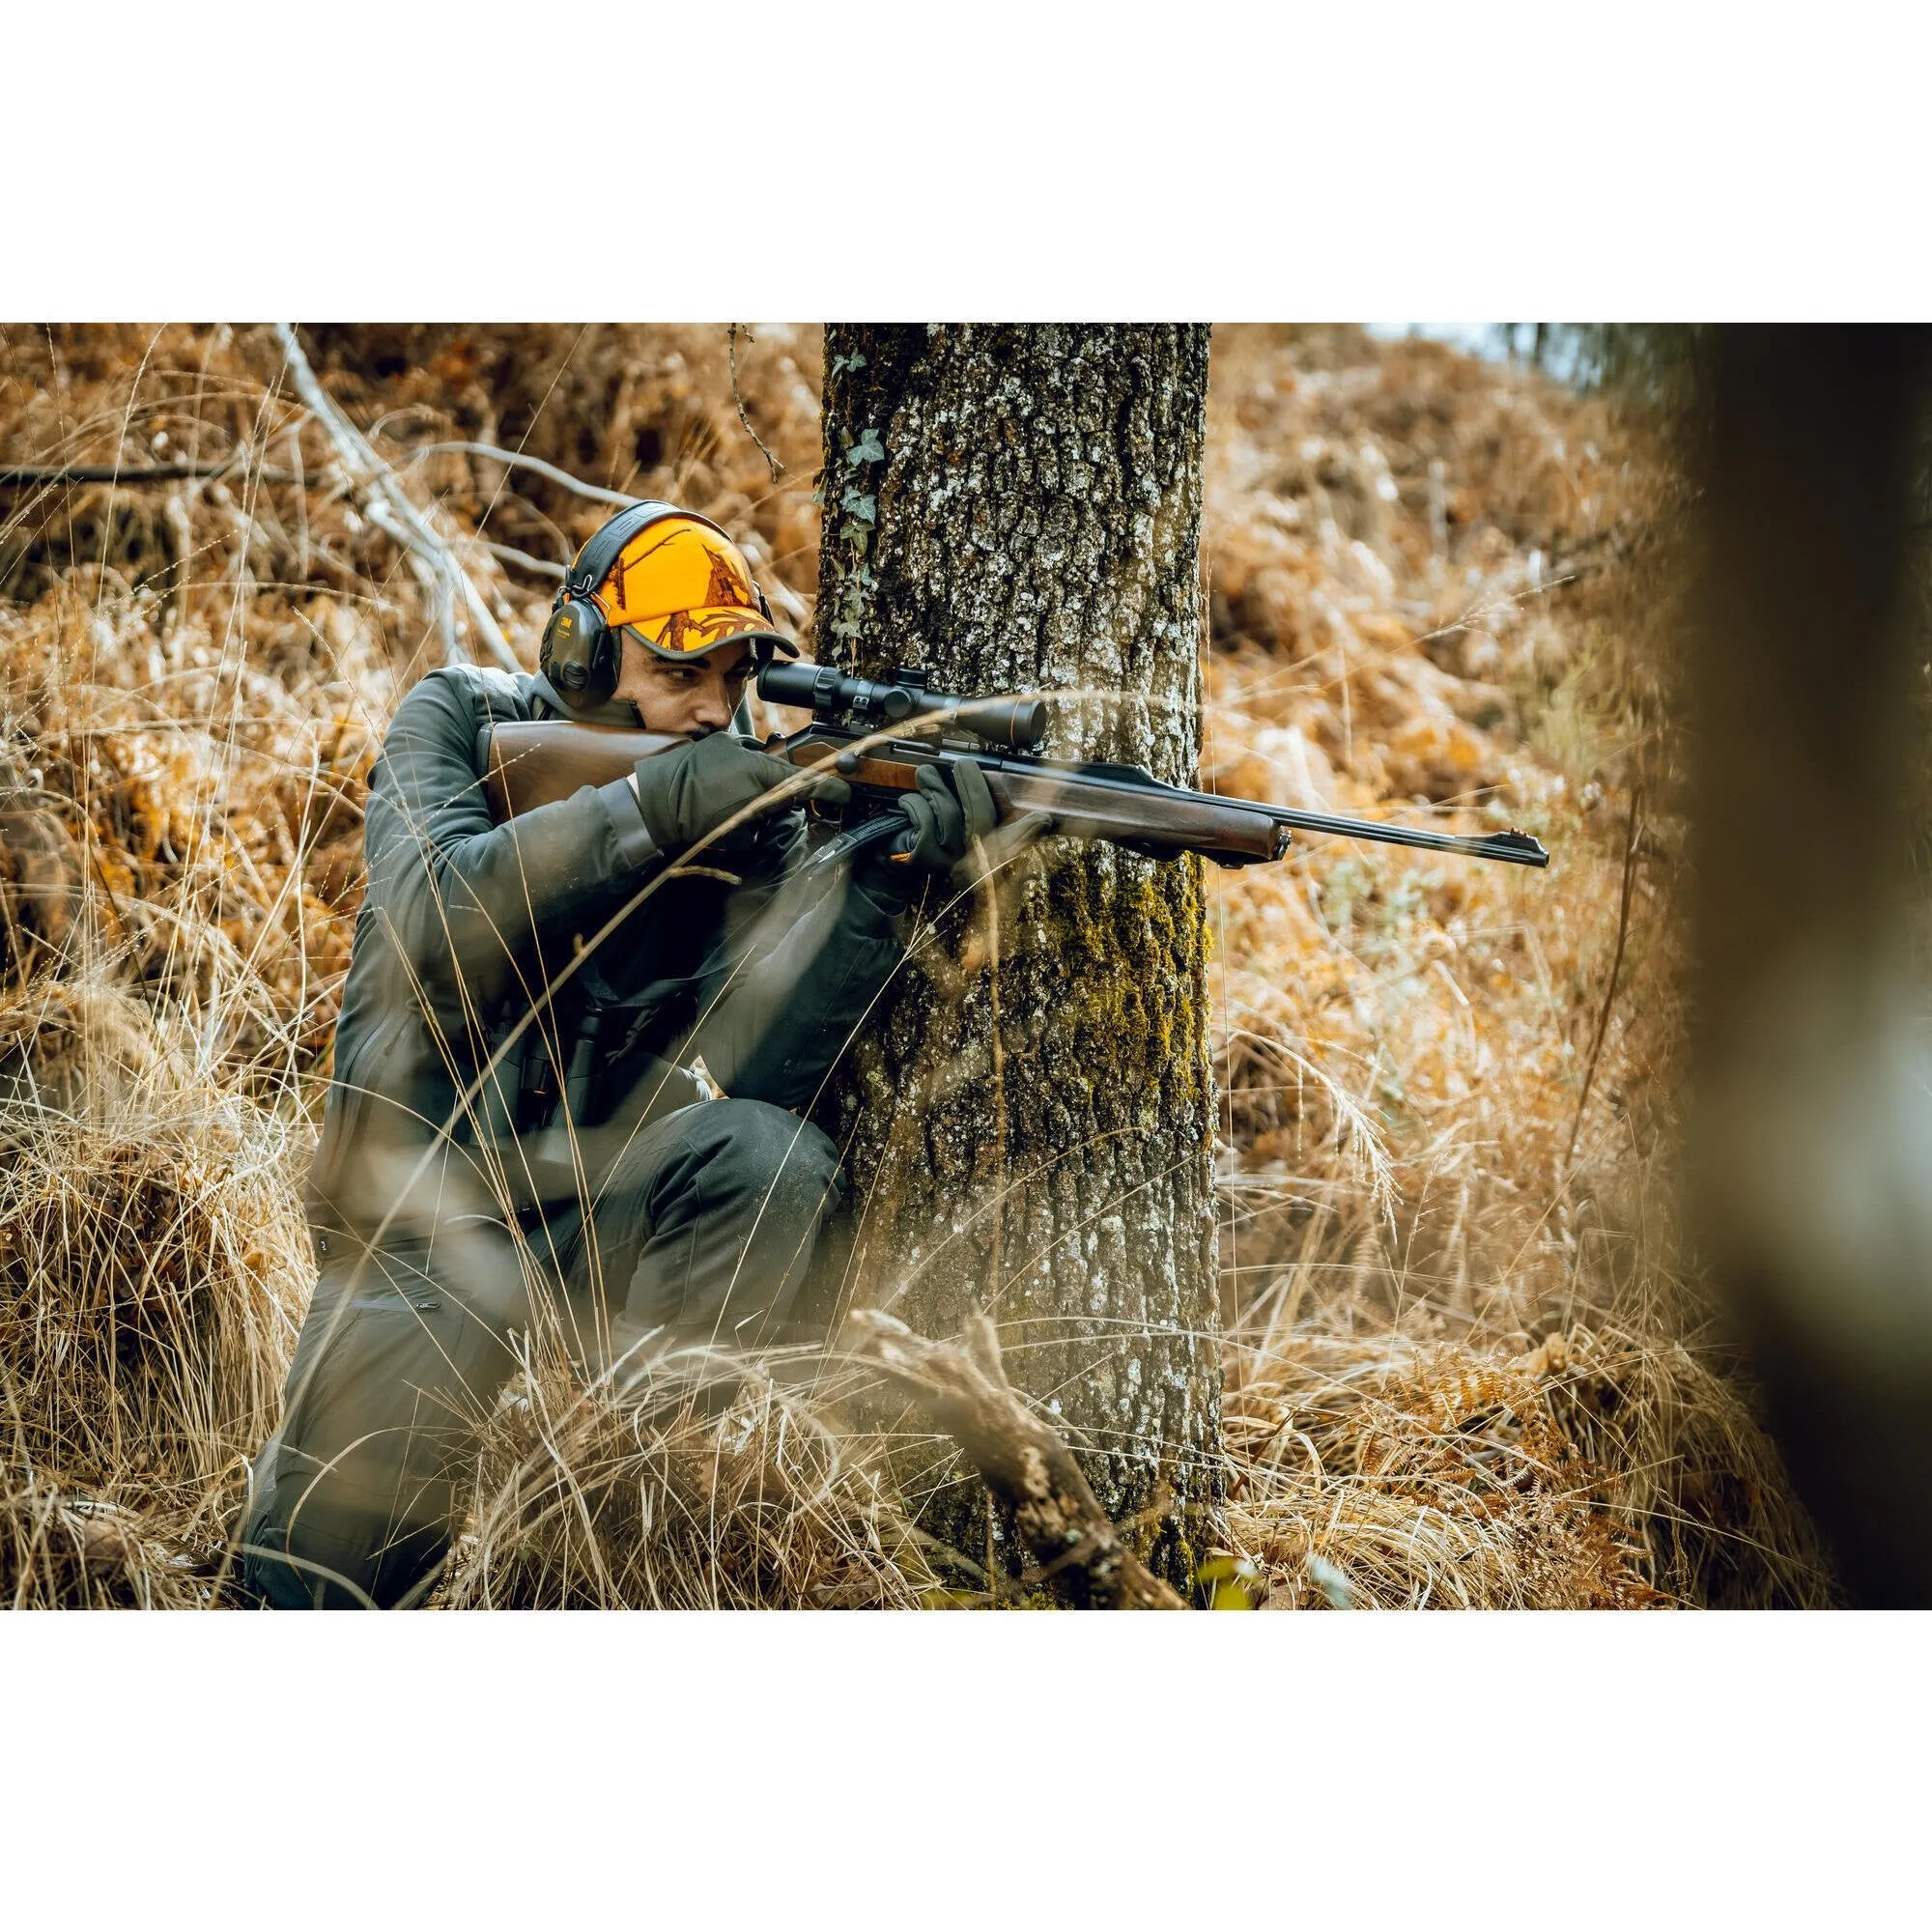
[[516, 1121]]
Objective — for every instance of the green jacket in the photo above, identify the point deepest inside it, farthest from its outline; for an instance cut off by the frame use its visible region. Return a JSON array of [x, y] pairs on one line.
[[467, 923]]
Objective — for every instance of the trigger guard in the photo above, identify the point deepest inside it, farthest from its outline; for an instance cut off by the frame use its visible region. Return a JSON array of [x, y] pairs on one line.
[[860, 838]]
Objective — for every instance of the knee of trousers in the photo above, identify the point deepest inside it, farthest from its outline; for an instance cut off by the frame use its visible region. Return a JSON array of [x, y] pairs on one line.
[[728, 1206], [309, 1546], [750, 1158]]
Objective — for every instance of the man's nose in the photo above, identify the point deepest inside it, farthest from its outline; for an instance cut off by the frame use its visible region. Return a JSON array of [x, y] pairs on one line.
[[713, 707]]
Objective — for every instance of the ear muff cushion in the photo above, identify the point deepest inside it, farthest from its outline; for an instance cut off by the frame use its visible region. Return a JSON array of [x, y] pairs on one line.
[[577, 655]]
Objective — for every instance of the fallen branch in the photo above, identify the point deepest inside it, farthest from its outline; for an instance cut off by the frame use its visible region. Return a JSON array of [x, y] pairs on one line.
[[1024, 1463], [387, 505], [21, 474]]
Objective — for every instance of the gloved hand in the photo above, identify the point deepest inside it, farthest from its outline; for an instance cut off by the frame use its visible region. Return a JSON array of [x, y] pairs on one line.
[[693, 789], [950, 810]]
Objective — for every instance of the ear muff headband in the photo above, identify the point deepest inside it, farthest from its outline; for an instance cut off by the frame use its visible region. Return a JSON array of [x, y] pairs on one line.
[[593, 563]]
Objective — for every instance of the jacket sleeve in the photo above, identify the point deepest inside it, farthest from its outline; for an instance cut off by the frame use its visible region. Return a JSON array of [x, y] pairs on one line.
[[466, 899], [791, 980]]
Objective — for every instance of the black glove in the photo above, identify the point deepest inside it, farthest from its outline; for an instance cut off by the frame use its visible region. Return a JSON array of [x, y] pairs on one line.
[[950, 810], [691, 790]]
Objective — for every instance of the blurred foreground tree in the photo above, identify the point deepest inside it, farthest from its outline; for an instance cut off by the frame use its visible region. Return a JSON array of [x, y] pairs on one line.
[[1030, 1119], [1815, 1129]]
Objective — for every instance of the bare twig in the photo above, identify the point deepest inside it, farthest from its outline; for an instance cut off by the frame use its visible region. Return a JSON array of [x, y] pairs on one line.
[[387, 505], [1617, 967], [731, 342], [594, 490], [1024, 1463], [521, 558]]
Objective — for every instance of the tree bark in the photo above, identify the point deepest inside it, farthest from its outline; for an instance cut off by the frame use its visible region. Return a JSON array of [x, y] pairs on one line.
[[1079, 1555], [1027, 1121]]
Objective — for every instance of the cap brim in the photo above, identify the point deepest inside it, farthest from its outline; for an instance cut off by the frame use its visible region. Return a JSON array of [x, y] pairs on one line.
[[685, 635]]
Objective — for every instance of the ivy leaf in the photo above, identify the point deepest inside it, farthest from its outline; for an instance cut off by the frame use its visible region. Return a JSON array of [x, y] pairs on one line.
[[868, 450], [1234, 1583], [864, 508]]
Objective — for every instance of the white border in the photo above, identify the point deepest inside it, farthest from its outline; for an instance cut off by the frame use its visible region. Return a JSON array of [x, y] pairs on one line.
[[1224, 161], [947, 1771]]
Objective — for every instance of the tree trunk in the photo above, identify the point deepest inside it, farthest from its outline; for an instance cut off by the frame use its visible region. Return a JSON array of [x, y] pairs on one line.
[[1027, 1121]]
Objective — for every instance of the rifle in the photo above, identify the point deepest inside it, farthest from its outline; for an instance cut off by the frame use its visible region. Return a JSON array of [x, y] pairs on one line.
[[851, 733]]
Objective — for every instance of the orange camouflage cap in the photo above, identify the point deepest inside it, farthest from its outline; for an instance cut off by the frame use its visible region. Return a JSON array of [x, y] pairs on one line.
[[681, 587]]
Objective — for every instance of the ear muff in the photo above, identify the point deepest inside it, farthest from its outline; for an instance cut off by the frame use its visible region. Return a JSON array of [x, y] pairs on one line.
[[578, 654]]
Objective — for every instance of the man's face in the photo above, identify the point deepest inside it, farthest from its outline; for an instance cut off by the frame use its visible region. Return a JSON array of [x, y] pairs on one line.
[[684, 700]]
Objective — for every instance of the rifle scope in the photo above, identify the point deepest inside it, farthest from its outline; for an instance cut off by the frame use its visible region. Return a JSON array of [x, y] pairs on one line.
[[1017, 723]]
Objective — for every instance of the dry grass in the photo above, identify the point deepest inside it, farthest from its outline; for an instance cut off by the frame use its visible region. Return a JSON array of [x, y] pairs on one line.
[[1463, 1367], [65, 1552], [1687, 1468], [1399, 1479], [151, 1259], [1438, 585], [1595, 1472], [704, 1483], [1408, 613], [153, 1275]]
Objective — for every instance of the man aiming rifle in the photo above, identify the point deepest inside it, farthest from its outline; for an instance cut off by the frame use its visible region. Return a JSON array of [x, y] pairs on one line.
[[580, 883], [514, 1097]]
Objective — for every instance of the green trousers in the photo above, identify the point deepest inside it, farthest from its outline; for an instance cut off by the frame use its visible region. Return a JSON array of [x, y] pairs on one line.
[[701, 1227]]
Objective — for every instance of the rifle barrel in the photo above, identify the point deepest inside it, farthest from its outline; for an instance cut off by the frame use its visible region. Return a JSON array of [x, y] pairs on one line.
[[1512, 847]]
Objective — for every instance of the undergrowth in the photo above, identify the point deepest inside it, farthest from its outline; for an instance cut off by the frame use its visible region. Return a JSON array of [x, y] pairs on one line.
[[1467, 1358]]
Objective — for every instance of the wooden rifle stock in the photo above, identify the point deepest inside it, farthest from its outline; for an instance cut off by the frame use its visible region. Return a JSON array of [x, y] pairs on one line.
[[550, 758]]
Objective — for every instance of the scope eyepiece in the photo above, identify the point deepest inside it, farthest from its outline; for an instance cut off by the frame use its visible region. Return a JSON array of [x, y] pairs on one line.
[[1017, 723]]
